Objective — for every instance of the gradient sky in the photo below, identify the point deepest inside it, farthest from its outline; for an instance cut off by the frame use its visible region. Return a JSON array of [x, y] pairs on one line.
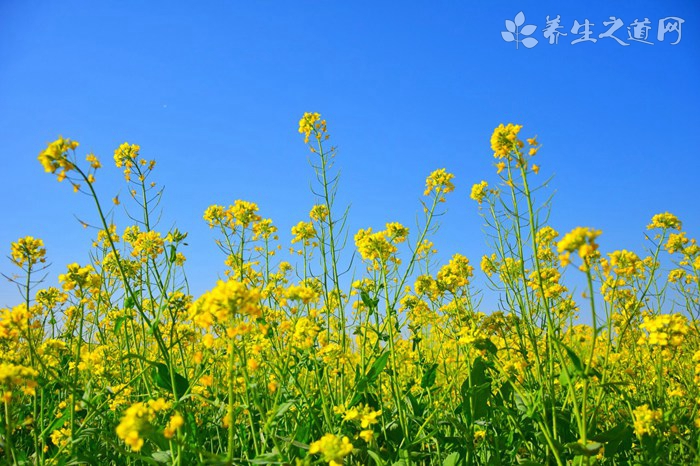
[[214, 92]]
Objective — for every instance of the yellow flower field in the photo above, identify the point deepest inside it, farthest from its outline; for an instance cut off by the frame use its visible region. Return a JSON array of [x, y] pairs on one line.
[[393, 363]]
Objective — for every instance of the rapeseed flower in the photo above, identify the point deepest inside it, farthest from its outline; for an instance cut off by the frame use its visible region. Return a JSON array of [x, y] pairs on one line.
[[439, 182], [479, 191], [55, 157], [505, 139], [664, 221], [28, 250], [332, 448], [312, 123], [646, 420]]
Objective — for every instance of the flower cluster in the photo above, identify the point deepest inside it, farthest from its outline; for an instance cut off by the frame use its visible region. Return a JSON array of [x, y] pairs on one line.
[[479, 191], [136, 422], [240, 214], [14, 376], [332, 448], [380, 247], [226, 302], [665, 330], [582, 241], [29, 251], [439, 182], [147, 245], [505, 140], [646, 420], [664, 221], [55, 157], [455, 274], [312, 123]]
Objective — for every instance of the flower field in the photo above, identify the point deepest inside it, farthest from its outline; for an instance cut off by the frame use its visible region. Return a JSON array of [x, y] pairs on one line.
[[393, 362]]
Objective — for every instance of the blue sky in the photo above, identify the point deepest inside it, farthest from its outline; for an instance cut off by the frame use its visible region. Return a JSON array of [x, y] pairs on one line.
[[214, 91]]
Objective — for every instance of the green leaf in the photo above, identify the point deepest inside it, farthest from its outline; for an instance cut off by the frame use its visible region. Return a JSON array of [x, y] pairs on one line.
[[451, 459], [429, 376], [576, 361], [369, 302], [118, 324], [161, 377], [565, 378], [590, 449], [478, 374], [162, 456], [267, 458], [283, 408], [377, 459], [487, 345], [476, 391], [417, 407], [58, 423], [377, 367], [619, 438], [129, 302]]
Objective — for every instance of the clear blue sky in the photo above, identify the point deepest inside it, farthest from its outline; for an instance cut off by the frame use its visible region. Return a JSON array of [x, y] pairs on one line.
[[214, 91]]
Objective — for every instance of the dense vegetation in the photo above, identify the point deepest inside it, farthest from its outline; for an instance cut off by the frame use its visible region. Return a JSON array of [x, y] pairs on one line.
[[284, 363]]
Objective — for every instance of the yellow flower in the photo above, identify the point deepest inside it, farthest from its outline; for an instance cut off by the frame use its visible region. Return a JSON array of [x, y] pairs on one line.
[[645, 420], [303, 232], [455, 274], [676, 242], [228, 300], [175, 422], [319, 212], [489, 264], [479, 191], [242, 213], [214, 215], [55, 157], [126, 155], [16, 376], [312, 123], [93, 160], [367, 435], [535, 168], [505, 139], [665, 220], [303, 293], [351, 414], [252, 365], [28, 250], [137, 421], [61, 437], [665, 329], [332, 448], [581, 240], [148, 244], [396, 232], [374, 246], [369, 417], [440, 182]]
